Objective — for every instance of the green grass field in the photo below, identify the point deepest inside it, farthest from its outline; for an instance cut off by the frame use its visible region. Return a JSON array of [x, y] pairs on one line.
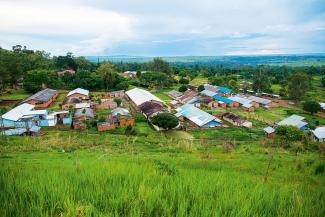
[[66, 173], [15, 95]]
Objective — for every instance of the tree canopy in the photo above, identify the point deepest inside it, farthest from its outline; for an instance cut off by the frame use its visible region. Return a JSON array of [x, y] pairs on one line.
[[166, 121], [311, 106]]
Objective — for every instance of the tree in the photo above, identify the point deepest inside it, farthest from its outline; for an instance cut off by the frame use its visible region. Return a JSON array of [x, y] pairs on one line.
[[35, 79], [138, 74], [166, 121], [156, 79], [298, 85], [200, 88], [289, 133], [261, 82], [233, 84], [182, 88], [311, 106], [106, 70], [183, 81], [323, 81], [159, 65], [118, 101], [216, 80]]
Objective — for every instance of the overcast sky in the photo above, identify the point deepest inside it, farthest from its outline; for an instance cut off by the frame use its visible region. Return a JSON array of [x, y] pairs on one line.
[[164, 27]]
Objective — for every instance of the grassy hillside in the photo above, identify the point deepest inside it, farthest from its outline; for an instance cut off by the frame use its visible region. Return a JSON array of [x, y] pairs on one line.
[[72, 173]]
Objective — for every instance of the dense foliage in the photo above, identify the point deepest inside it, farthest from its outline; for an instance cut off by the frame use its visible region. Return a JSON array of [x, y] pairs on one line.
[[166, 121]]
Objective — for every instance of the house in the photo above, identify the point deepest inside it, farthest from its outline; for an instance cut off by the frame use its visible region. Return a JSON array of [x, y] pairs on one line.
[[106, 104], [130, 74], [210, 87], [84, 114], [108, 124], [174, 94], [174, 104], [152, 108], [187, 96], [223, 91], [319, 134], [32, 131], [197, 117], [26, 115], [82, 105], [236, 120], [269, 132], [260, 102], [70, 103], [199, 100], [42, 99], [68, 71], [244, 102], [123, 117], [138, 96], [79, 93], [117, 94], [294, 120], [223, 102], [78, 125], [209, 94]]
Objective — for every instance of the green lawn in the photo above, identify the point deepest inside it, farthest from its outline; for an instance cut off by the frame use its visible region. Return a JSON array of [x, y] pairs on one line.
[[198, 81]]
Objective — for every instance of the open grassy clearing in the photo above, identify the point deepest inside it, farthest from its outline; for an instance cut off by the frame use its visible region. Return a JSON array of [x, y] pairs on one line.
[[15, 95], [198, 81]]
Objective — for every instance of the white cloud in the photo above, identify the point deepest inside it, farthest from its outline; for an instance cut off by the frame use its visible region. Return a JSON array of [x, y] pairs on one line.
[[89, 30]]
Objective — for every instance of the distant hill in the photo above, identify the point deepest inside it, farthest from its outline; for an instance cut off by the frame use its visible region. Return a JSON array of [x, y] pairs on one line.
[[290, 60]]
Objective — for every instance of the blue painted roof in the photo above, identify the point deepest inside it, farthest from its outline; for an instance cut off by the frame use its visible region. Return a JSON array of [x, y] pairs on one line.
[[223, 99], [224, 90]]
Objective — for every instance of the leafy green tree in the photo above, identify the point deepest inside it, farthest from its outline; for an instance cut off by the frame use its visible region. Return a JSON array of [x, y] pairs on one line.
[[200, 88], [106, 70], [34, 80], [216, 80], [289, 133], [311, 106], [183, 81], [65, 62], [123, 85], [156, 79], [159, 65], [233, 84], [118, 101], [261, 81], [298, 85], [182, 88], [166, 121]]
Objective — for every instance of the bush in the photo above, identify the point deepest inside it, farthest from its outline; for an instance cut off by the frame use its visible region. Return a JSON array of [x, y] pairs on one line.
[[183, 81], [130, 131], [311, 106], [182, 88], [320, 169], [200, 88], [166, 121]]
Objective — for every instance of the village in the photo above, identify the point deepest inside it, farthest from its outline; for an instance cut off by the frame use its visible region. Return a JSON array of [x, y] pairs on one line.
[[105, 111]]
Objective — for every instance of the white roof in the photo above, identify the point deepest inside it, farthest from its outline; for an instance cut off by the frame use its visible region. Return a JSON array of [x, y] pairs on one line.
[[198, 116], [269, 129], [139, 96], [322, 104], [247, 105], [208, 93], [18, 112], [293, 120], [60, 112], [241, 100], [174, 102], [319, 132], [36, 112], [80, 91], [260, 100], [82, 105]]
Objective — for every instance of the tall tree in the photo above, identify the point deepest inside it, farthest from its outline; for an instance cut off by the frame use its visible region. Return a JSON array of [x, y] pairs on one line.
[[311, 106], [159, 65], [261, 81], [298, 85], [106, 70]]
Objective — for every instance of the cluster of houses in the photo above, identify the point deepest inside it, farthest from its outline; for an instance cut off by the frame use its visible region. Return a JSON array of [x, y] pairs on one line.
[[297, 121], [78, 108]]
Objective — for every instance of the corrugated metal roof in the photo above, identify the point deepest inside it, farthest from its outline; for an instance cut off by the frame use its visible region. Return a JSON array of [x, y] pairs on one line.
[[269, 129], [120, 111], [319, 132], [293, 120], [42, 96], [139, 96], [85, 112], [80, 91], [208, 93], [222, 99], [18, 112], [224, 90], [260, 100], [241, 100], [82, 105], [195, 114]]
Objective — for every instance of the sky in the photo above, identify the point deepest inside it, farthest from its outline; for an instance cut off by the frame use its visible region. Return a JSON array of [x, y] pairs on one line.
[[164, 27]]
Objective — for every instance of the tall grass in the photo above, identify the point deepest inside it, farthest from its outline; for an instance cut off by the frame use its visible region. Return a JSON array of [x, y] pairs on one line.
[[88, 183]]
